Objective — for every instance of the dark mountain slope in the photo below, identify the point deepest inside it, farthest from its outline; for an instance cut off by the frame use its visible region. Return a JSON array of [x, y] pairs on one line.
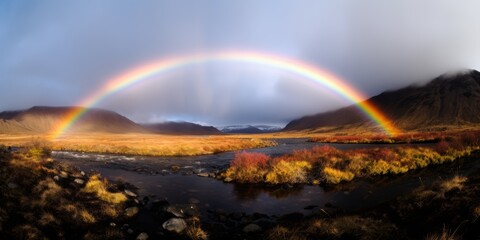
[[446, 100]]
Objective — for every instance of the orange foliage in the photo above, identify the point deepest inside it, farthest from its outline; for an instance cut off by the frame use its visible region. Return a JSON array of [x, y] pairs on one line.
[[333, 166]]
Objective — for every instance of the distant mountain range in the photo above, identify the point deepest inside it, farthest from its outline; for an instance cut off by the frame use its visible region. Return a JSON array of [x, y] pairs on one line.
[[250, 129], [181, 128], [450, 99], [44, 119]]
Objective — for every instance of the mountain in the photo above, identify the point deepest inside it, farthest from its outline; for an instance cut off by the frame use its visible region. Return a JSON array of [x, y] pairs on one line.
[[250, 129], [44, 119], [450, 99], [181, 128]]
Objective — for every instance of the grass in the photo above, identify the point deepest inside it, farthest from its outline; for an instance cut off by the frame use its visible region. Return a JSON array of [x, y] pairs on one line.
[[443, 210], [98, 187], [332, 166], [143, 144], [33, 205], [342, 227]]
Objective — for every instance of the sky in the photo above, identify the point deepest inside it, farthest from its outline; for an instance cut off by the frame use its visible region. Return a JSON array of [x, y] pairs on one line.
[[55, 53]]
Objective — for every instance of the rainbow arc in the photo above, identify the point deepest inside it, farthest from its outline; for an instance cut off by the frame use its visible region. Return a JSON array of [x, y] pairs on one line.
[[304, 70]]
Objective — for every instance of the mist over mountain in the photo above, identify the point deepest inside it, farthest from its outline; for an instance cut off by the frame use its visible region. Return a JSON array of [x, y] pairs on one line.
[[450, 99]]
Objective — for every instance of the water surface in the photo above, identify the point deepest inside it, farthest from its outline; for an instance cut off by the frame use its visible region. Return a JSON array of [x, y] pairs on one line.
[[175, 179]]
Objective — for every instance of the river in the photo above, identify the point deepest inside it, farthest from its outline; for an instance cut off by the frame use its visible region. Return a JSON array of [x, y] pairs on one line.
[[174, 179]]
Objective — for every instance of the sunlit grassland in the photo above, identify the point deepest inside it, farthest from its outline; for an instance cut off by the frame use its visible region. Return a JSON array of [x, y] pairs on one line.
[[326, 164], [142, 144]]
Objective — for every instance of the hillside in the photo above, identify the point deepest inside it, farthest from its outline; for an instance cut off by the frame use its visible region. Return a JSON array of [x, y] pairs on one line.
[[181, 128], [450, 99], [44, 119]]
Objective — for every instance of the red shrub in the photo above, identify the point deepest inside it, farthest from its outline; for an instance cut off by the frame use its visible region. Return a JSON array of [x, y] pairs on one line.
[[442, 147], [245, 160]]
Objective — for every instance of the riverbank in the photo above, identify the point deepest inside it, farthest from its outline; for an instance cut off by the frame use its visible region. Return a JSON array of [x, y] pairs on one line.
[[328, 165], [45, 199], [142, 144]]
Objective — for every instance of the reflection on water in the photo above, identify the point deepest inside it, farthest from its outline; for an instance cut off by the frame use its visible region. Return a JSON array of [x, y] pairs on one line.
[[154, 178], [253, 191]]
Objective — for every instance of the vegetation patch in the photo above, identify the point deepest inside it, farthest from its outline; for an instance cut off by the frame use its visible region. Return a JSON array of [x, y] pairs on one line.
[[330, 165], [43, 199]]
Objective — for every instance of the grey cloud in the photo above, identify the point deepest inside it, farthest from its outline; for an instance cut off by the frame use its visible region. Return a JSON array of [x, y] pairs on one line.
[[56, 53]]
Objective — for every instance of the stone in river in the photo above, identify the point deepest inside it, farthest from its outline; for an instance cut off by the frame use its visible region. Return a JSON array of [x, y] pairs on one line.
[[177, 225], [79, 181], [130, 193], [142, 236], [252, 228], [131, 211], [183, 210]]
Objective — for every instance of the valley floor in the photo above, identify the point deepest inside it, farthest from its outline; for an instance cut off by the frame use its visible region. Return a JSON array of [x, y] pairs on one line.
[[141, 144]]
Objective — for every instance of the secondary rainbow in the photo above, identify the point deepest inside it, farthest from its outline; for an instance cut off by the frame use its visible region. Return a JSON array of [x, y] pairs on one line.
[[147, 71]]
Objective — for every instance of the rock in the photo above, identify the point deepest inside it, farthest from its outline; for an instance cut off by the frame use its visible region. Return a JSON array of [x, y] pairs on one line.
[[63, 174], [203, 174], [56, 178], [112, 224], [142, 236], [130, 231], [12, 185], [131, 211], [130, 193], [227, 179], [252, 228], [82, 173], [79, 181], [175, 168], [183, 210], [177, 225]]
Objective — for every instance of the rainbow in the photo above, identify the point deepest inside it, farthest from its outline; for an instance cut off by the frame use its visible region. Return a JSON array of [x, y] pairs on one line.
[[301, 69]]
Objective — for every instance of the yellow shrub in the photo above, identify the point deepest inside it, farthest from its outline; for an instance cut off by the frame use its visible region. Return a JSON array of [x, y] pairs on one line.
[[288, 172], [335, 176], [246, 175], [95, 185], [379, 168]]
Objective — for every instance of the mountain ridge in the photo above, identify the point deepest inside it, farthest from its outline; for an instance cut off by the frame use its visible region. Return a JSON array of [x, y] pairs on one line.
[[446, 99]]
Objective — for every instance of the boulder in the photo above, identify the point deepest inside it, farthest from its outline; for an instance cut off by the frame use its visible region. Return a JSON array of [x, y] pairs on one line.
[[131, 211], [203, 174], [142, 236], [177, 225], [79, 181], [252, 228], [183, 210], [130, 193]]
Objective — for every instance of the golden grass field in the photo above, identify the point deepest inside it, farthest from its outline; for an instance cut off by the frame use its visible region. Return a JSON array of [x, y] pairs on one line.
[[184, 145], [141, 144]]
